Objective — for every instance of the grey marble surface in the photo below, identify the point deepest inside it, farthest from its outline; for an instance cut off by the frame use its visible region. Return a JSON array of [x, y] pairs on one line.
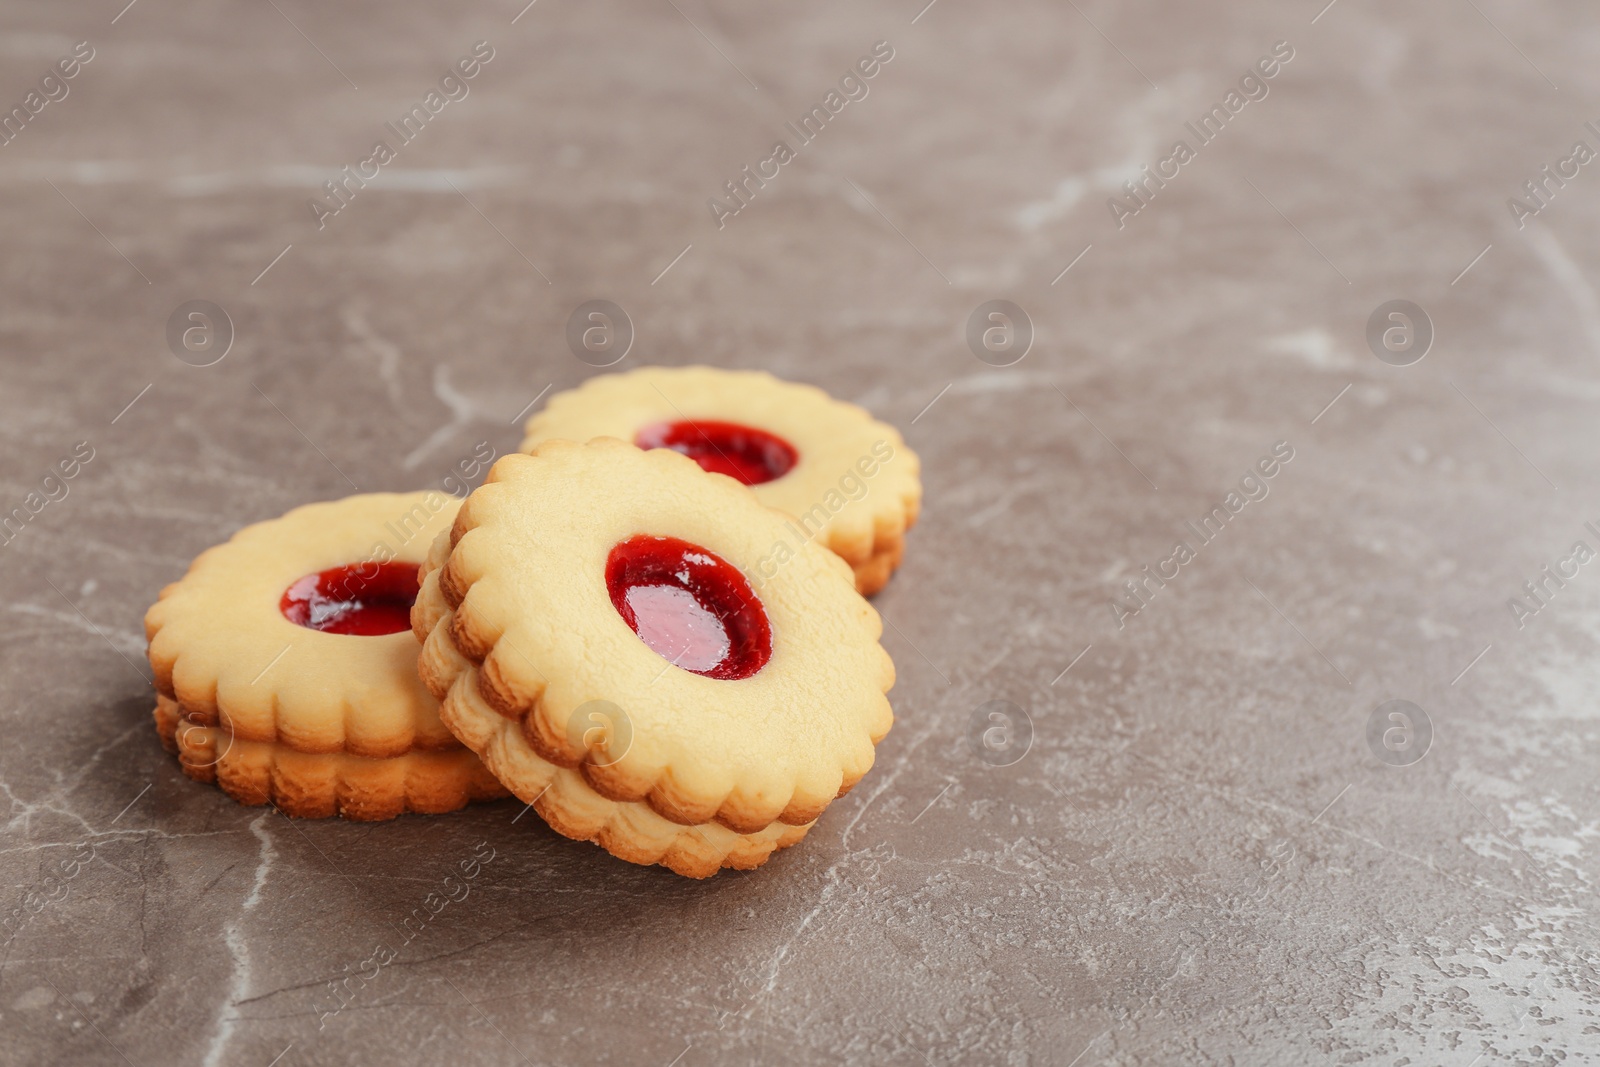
[[1200, 858]]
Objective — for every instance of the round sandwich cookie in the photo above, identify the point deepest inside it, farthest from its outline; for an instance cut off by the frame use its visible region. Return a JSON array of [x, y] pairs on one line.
[[597, 633], [845, 479], [286, 667]]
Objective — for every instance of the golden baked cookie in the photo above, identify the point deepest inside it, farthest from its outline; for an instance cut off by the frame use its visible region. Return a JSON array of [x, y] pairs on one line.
[[321, 784], [845, 479], [591, 636], [292, 642]]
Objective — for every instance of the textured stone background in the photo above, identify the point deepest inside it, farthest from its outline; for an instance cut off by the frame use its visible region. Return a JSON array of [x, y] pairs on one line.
[[1200, 860]]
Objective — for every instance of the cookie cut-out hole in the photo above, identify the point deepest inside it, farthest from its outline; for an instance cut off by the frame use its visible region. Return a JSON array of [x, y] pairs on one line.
[[364, 599], [752, 456], [690, 606]]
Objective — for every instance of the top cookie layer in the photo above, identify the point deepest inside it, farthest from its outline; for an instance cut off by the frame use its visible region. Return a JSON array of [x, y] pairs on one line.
[[221, 647], [854, 486], [527, 580]]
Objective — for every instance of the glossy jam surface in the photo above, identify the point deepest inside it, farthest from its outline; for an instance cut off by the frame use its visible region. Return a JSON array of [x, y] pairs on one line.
[[692, 607], [752, 456], [365, 599]]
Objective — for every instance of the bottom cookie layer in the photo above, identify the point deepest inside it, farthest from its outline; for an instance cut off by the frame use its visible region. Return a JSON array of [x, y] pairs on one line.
[[317, 786], [873, 574], [561, 797]]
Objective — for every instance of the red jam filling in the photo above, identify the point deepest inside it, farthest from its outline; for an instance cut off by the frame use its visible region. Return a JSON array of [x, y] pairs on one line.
[[365, 599], [753, 456], [689, 606]]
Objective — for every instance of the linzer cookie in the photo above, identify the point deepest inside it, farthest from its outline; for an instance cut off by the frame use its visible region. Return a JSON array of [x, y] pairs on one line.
[[286, 667], [592, 635], [846, 480]]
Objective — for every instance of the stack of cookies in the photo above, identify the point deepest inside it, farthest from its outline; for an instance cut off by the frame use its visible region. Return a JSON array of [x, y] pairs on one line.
[[656, 638]]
